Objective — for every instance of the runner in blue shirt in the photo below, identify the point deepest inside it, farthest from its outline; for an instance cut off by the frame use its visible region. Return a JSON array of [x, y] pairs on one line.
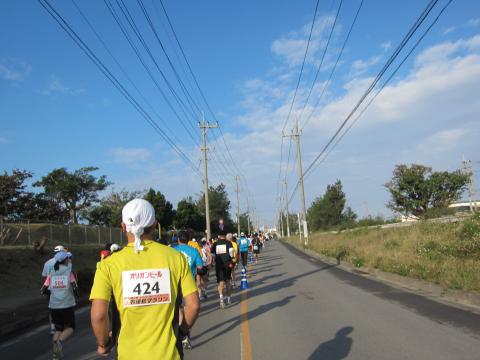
[[243, 246], [191, 254]]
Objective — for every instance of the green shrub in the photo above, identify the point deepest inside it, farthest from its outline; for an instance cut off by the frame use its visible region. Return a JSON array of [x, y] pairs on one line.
[[358, 262]]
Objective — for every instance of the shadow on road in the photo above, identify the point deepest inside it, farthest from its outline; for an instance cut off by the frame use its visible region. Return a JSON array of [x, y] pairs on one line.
[[335, 349], [236, 320]]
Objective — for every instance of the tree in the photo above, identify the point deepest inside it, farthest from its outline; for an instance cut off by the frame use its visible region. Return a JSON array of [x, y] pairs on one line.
[[415, 189], [329, 210], [12, 192], [109, 211], [292, 222], [17, 203], [163, 208], [219, 207], [40, 207], [188, 216], [243, 223], [77, 190]]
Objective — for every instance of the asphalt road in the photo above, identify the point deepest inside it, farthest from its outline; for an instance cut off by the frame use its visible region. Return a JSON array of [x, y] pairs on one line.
[[297, 307]]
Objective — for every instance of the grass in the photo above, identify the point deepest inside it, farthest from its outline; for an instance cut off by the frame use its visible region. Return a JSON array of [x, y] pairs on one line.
[[21, 276], [443, 253]]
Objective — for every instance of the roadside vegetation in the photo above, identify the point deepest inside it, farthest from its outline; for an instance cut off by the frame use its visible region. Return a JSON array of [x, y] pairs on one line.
[[447, 254]]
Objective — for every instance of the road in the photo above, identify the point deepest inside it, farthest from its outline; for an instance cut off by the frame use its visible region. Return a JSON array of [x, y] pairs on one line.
[[297, 307]]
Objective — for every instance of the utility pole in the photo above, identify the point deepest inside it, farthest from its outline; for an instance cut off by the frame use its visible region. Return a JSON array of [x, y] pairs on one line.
[[296, 135], [286, 207], [467, 168], [281, 217], [204, 126], [248, 215], [238, 208]]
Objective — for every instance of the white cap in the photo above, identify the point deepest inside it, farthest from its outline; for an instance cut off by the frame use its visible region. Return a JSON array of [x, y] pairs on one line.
[[242, 234], [58, 248], [137, 215], [114, 247]]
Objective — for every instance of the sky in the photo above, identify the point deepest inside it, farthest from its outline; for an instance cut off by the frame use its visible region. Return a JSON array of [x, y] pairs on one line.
[[58, 110]]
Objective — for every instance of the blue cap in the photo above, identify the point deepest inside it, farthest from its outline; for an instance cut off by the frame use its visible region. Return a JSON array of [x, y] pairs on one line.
[[61, 256]]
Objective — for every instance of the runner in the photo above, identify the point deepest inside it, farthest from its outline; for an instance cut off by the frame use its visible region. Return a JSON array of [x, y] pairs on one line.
[[223, 251], [233, 241], [148, 281], [46, 270], [207, 264], [195, 262], [244, 245], [61, 285], [256, 247]]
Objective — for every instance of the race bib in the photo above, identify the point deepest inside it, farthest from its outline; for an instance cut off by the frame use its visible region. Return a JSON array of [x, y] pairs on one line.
[[221, 249], [59, 281], [146, 287]]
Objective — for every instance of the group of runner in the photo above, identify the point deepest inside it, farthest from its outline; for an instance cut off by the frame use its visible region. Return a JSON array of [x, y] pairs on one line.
[[221, 254]]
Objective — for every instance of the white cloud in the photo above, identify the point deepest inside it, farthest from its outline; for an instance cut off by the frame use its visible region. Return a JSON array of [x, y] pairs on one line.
[[56, 86], [386, 45], [362, 65], [474, 22], [442, 141], [14, 69], [428, 116], [291, 48], [448, 30], [130, 156]]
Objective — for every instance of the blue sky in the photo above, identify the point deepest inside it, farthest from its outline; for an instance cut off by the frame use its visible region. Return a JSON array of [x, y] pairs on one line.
[[58, 110]]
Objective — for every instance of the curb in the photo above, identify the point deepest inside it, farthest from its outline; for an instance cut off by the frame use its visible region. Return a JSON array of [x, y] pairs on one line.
[[465, 300]]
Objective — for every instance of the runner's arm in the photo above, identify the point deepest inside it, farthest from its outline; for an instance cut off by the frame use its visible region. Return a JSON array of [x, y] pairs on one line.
[[191, 309], [100, 325]]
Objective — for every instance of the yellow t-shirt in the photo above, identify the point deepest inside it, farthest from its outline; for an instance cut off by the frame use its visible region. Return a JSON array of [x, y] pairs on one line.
[[235, 247], [195, 245], [147, 331]]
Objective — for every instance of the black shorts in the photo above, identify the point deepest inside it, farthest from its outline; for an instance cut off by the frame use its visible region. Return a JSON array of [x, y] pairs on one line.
[[223, 274], [203, 271], [244, 256], [63, 318], [257, 251]]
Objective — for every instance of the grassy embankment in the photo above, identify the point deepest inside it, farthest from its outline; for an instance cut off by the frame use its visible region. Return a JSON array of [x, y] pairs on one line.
[[444, 253], [20, 278]]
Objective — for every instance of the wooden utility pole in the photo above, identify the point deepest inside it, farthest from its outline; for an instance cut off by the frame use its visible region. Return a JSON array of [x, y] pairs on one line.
[[238, 207], [286, 207], [204, 126], [296, 135]]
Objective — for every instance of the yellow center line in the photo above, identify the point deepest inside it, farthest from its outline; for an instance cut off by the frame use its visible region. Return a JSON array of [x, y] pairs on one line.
[[244, 327]]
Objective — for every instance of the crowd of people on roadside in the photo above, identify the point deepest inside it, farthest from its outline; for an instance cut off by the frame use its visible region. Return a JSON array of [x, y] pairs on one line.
[[147, 295]]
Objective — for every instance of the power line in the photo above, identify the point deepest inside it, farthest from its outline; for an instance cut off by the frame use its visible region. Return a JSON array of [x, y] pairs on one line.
[[133, 26], [414, 28], [407, 37], [386, 82], [101, 66], [327, 83], [303, 65], [105, 46], [322, 59]]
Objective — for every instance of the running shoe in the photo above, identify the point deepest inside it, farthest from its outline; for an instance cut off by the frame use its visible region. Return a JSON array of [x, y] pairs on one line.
[[186, 343], [52, 329], [229, 301], [222, 304], [59, 349]]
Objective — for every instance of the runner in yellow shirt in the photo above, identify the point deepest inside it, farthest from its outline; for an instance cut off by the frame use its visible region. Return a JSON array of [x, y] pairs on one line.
[[148, 281]]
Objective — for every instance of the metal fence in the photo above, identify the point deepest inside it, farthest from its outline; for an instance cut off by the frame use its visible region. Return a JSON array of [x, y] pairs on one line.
[[25, 232]]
